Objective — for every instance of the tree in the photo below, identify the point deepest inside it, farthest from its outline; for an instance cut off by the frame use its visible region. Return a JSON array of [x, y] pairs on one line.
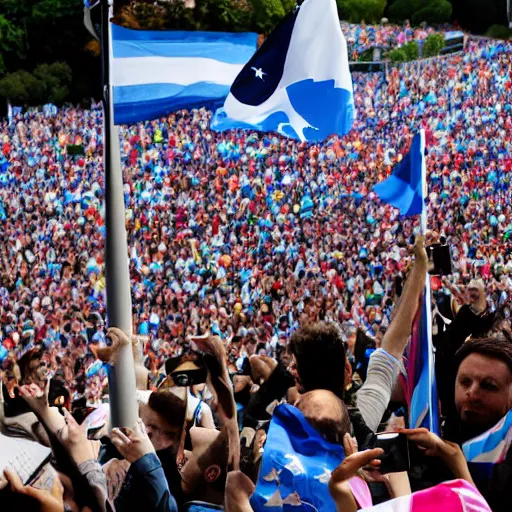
[[22, 88], [355, 11], [417, 11], [499, 32], [433, 13], [11, 40], [56, 79], [267, 14], [434, 45]]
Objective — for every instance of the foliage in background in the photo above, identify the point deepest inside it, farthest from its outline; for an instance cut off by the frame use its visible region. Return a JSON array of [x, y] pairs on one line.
[[355, 11], [499, 32], [51, 31], [433, 45], [48, 83], [417, 11], [405, 53]]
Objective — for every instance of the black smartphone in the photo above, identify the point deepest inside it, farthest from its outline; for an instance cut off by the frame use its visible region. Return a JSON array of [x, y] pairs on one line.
[[186, 378], [396, 452], [440, 260]]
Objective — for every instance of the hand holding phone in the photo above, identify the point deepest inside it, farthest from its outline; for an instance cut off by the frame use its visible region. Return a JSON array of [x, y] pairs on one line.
[[396, 452]]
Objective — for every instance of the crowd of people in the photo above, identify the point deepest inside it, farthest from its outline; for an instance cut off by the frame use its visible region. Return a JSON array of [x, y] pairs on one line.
[[361, 38], [255, 239]]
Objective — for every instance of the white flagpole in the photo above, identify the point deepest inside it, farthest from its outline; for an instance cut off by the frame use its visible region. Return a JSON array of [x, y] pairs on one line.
[[427, 295], [121, 376]]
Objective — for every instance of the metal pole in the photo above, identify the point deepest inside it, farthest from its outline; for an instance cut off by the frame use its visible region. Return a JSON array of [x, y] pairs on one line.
[[121, 376]]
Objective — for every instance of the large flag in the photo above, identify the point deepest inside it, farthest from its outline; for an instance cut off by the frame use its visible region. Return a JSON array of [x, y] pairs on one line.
[[296, 466], [298, 83], [154, 73], [404, 188]]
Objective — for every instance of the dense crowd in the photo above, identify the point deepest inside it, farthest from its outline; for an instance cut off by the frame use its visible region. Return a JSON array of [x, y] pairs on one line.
[[252, 238], [361, 38]]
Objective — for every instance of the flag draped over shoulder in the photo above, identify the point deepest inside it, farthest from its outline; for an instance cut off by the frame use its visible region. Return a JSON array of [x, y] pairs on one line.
[[154, 73], [296, 466], [486, 452], [298, 83], [404, 188]]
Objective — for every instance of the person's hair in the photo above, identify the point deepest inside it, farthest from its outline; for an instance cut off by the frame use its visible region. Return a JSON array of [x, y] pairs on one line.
[[320, 355], [497, 347], [25, 360], [216, 454], [169, 406], [328, 415]]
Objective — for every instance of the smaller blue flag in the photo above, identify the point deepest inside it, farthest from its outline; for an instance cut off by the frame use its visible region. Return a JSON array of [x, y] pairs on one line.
[[296, 466], [404, 188]]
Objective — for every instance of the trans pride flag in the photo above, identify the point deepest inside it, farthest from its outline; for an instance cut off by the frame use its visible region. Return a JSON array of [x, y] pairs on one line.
[[485, 452], [406, 189]]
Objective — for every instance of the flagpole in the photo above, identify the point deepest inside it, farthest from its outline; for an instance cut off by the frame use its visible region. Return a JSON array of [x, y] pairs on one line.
[[433, 423], [121, 375]]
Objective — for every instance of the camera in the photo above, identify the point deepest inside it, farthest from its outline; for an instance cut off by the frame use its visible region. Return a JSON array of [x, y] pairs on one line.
[[187, 378], [440, 258], [396, 452]]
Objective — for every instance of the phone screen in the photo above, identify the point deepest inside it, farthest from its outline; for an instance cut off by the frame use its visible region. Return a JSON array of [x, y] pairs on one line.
[[396, 452], [440, 260]]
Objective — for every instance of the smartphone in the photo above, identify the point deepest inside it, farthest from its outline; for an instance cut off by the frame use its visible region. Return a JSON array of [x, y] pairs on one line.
[[396, 452], [186, 378], [440, 260]]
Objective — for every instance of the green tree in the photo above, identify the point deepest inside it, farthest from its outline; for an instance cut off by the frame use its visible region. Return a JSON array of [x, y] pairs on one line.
[[22, 88], [267, 14], [56, 79], [417, 11], [11, 40], [499, 32], [405, 53], [433, 45], [355, 11]]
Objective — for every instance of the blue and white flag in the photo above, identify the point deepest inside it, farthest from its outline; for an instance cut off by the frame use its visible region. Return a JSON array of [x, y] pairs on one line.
[[296, 466], [488, 453], [491, 446], [154, 73], [298, 83], [404, 188]]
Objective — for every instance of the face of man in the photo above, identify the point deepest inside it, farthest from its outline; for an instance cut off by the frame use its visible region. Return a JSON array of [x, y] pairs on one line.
[[483, 391], [162, 434]]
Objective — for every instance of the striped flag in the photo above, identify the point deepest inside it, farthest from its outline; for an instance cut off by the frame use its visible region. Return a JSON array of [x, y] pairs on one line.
[[406, 190], [487, 450], [154, 73]]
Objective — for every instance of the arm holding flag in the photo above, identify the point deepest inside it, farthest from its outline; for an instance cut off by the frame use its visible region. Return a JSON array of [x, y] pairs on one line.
[[397, 336], [373, 398]]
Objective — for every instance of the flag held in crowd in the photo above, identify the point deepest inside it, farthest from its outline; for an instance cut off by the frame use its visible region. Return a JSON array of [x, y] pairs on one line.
[[404, 188], [421, 383], [486, 454], [298, 83], [154, 73], [296, 466]]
